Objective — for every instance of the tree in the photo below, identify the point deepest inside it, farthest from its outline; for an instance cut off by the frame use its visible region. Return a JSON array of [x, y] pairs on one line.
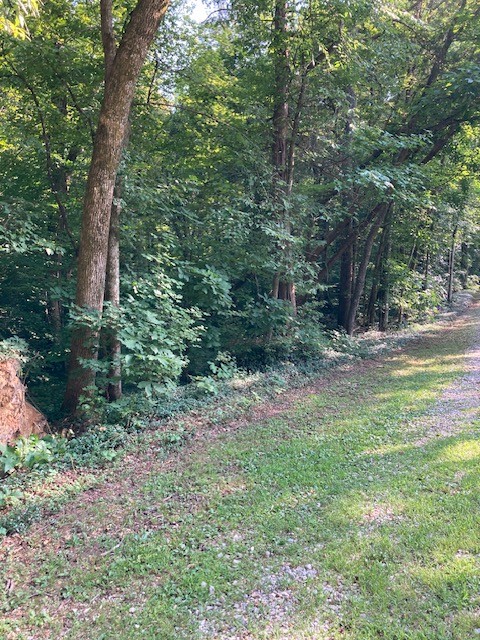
[[109, 139], [322, 148], [423, 102]]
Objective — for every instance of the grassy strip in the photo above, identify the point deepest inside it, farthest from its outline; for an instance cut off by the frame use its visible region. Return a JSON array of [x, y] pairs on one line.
[[328, 522]]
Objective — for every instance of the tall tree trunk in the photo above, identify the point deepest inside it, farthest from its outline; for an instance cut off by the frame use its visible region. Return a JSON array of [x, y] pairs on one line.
[[280, 107], [60, 187], [380, 284], [384, 306], [374, 290], [451, 265], [107, 150], [347, 264], [113, 347], [426, 271], [283, 156], [362, 269]]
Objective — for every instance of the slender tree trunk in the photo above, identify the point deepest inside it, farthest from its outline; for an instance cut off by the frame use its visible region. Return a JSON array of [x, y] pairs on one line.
[[384, 306], [280, 108], [347, 264], [283, 155], [54, 305], [426, 270], [351, 240], [374, 290], [58, 179], [451, 265], [107, 150], [60, 187], [413, 258], [362, 269], [113, 347], [379, 290]]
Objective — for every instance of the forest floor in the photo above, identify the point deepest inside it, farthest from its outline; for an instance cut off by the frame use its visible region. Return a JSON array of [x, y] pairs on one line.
[[346, 510]]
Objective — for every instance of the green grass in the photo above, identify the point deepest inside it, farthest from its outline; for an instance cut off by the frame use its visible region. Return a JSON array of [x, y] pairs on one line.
[[328, 522]]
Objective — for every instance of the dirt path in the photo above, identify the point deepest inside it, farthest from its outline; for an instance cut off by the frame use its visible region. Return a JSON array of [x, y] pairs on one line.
[[87, 532], [461, 400]]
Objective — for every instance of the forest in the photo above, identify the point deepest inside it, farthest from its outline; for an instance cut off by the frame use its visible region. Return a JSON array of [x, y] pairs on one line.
[[182, 197], [239, 319]]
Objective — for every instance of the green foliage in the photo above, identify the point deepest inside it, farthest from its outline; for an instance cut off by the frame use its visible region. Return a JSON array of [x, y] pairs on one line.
[[14, 348], [155, 331], [13, 16], [30, 453], [379, 111], [223, 368], [97, 446], [9, 496], [417, 298], [153, 327]]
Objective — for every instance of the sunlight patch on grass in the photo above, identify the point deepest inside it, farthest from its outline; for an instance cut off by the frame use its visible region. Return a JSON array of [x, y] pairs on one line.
[[464, 450]]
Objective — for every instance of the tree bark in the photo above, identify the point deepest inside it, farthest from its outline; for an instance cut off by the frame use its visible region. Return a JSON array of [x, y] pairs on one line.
[[347, 264], [107, 150], [113, 347], [451, 265], [362, 269], [283, 155], [280, 108], [374, 289], [426, 271], [350, 240], [384, 284], [380, 280]]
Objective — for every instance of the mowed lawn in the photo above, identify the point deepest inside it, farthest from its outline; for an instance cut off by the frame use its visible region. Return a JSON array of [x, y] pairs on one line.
[[342, 518]]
